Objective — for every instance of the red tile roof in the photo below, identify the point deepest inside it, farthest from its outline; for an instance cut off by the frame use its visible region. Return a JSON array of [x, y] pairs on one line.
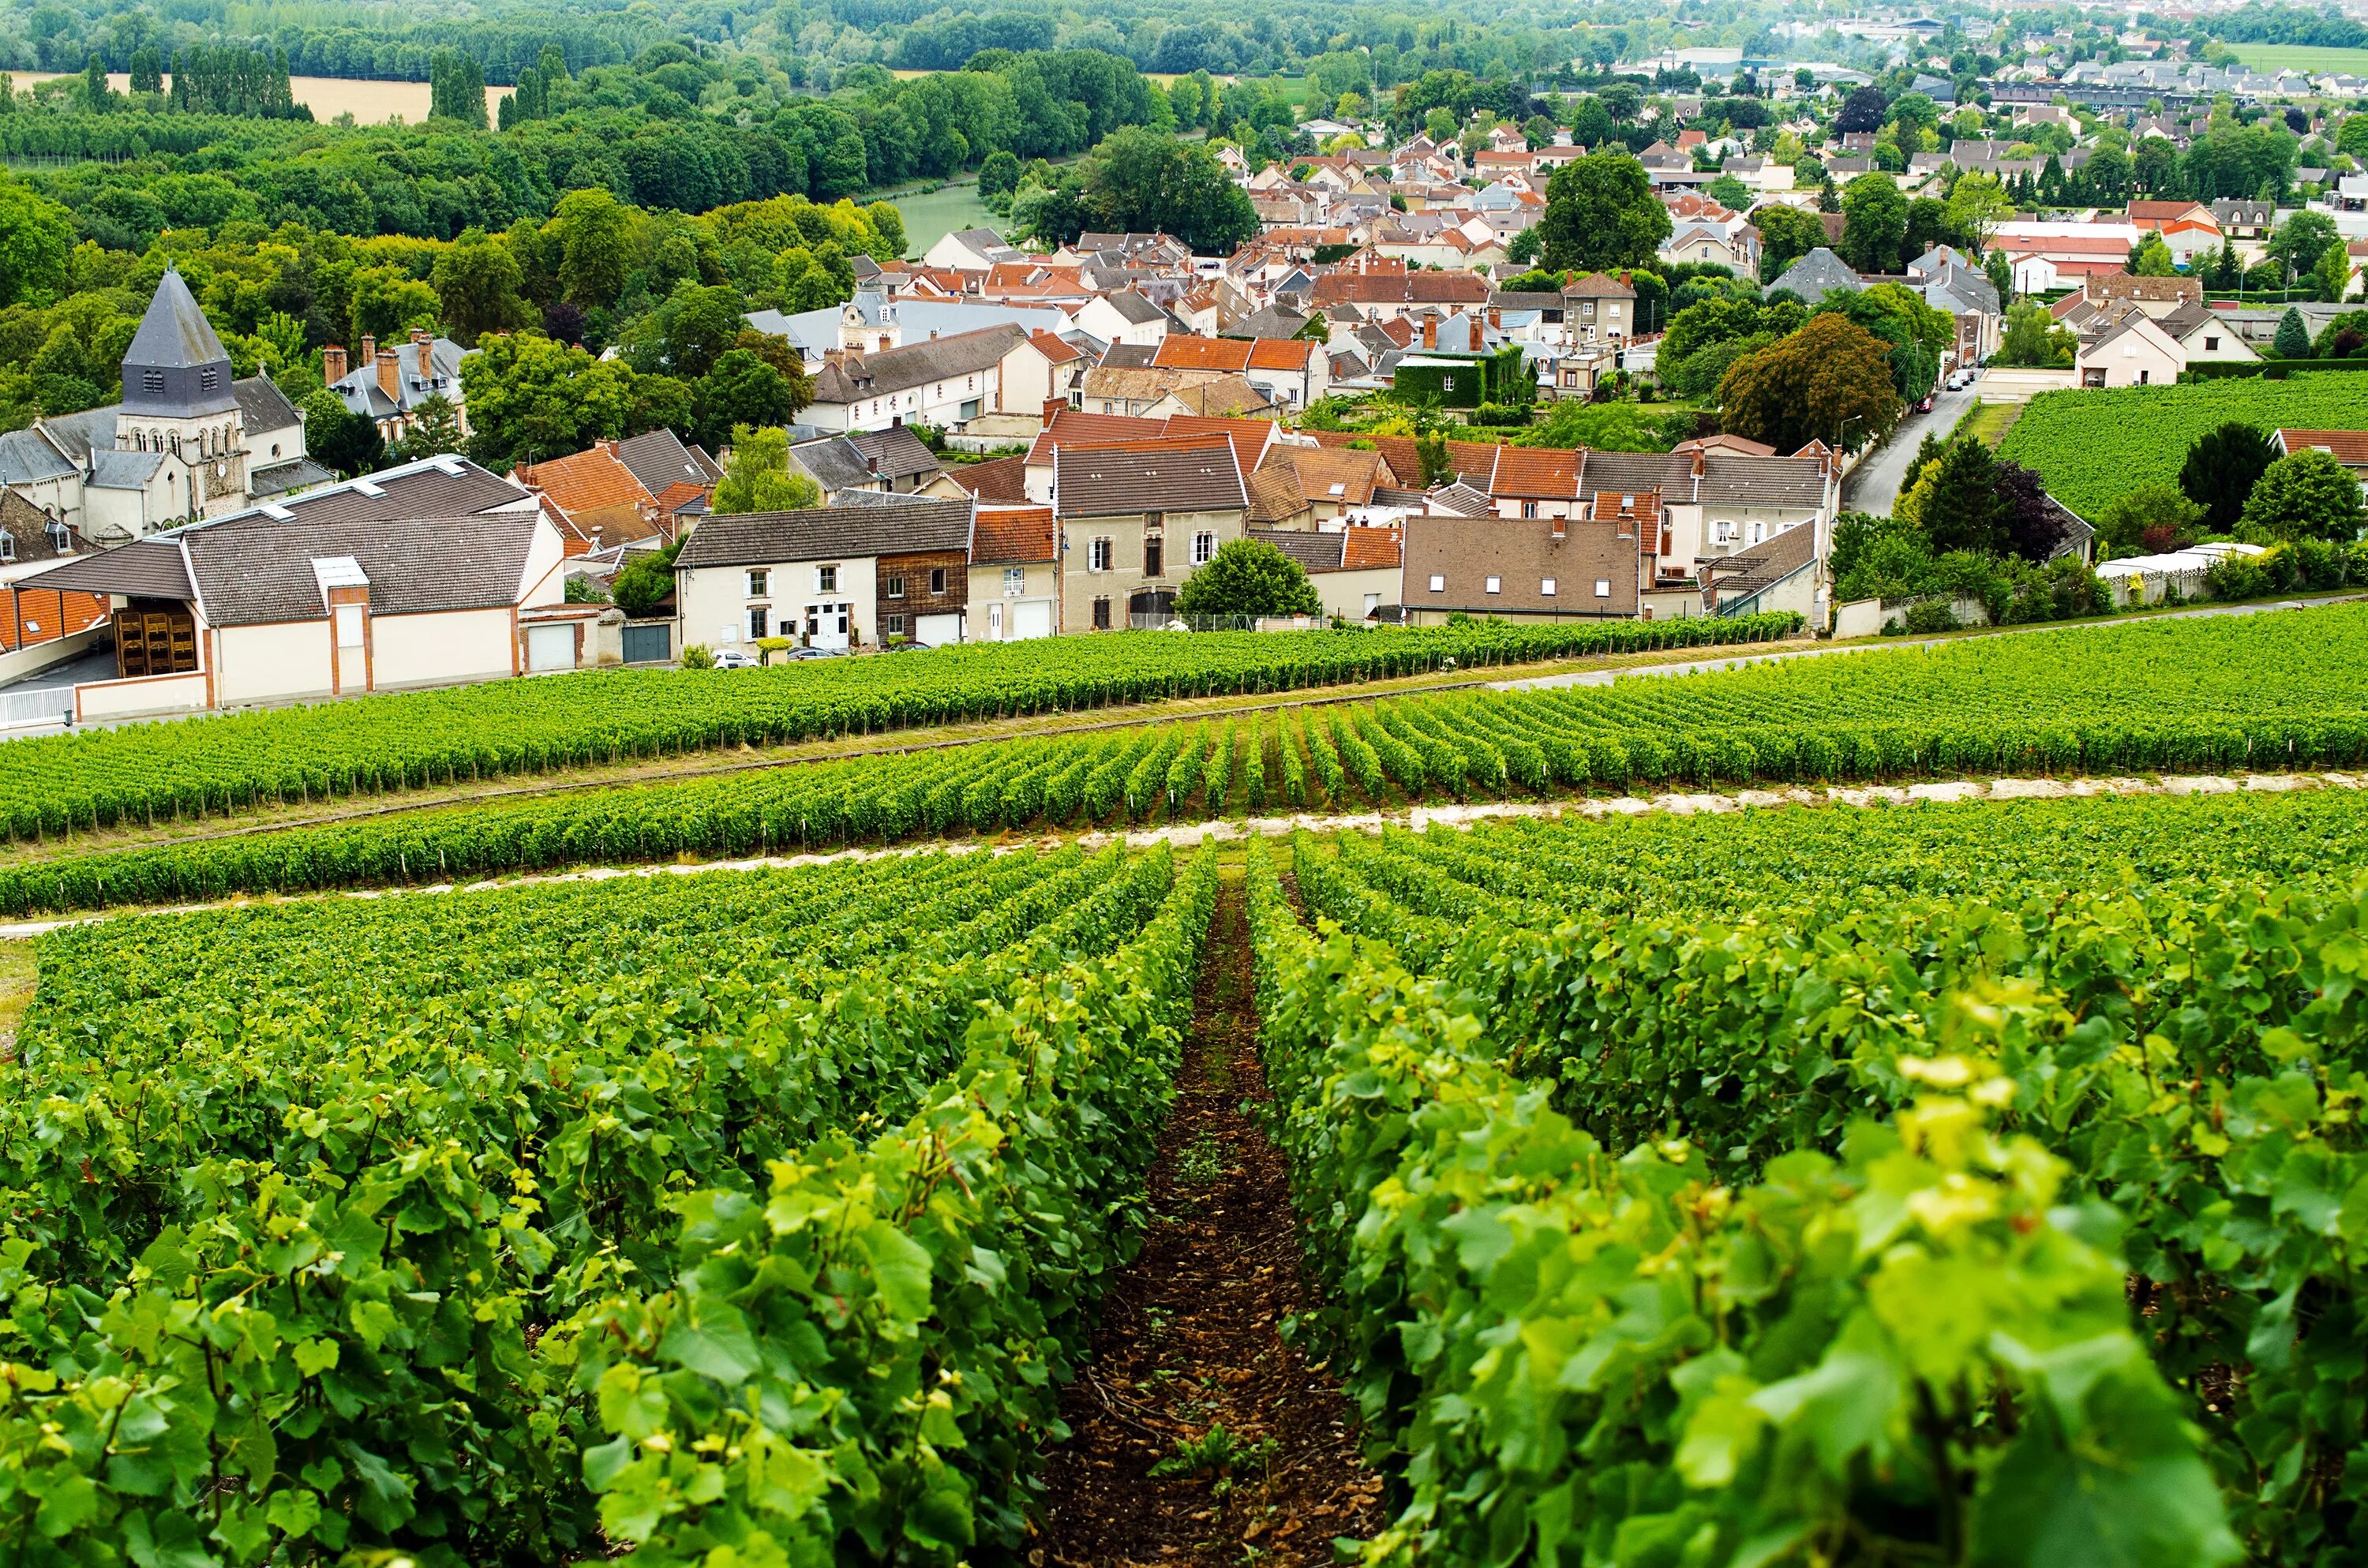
[[1178, 351], [1534, 474], [1280, 352], [588, 482], [1054, 348], [1371, 549], [2349, 448], [1012, 536], [1249, 437], [1002, 480], [1070, 428]]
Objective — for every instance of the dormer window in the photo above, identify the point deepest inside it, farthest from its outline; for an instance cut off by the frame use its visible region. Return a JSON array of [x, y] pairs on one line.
[[60, 540], [7, 547]]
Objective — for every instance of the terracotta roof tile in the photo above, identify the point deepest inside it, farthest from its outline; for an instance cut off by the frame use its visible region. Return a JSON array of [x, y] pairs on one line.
[[1013, 536], [1534, 473], [1178, 351], [1071, 427], [588, 482], [1372, 548], [1280, 354], [1001, 481]]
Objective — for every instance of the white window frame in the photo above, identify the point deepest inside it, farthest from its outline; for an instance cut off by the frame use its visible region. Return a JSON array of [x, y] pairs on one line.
[[895, 588], [1014, 582], [760, 583], [1438, 584], [1098, 554], [827, 579], [1604, 587], [1492, 584], [937, 579], [1545, 587], [1204, 548]]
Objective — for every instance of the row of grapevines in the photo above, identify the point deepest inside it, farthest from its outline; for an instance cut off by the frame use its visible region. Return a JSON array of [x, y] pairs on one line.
[[409, 740], [1906, 1350], [2099, 701], [386, 1344], [2191, 1048]]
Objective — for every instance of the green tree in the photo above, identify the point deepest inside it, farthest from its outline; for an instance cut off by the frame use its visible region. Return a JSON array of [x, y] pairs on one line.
[[2221, 470], [1786, 235], [1977, 205], [1729, 192], [2334, 271], [1143, 180], [2307, 495], [1829, 381], [1602, 215], [434, 429], [96, 96], [757, 478], [641, 586], [2152, 258], [387, 302], [2301, 240], [346, 443], [1249, 577], [1874, 221], [37, 242], [147, 70], [530, 398], [1958, 503], [595, 246], [741, 390], [2150, 520], [479, 284], [998, 176], [2292, 341]]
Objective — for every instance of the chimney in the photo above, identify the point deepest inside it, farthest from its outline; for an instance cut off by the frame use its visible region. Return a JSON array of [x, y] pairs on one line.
[[1431, 332], [1053, 406], [333, 364], [419, 337], [369, 349], [1698, 464], [389, 374], [873, 465]]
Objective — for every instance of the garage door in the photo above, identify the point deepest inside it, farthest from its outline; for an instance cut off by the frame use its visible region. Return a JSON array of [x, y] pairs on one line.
[[937, 631], [550, 648], [1029, 617], [651, 644]]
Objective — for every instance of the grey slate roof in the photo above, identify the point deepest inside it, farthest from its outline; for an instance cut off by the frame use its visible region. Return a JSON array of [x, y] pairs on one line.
[[834, 462], [112, 470], [422, 489], [1138, 310], [900, 452], [860, 375], [879, 525], [414, 384], [1462, 500], [148, 568], [1100, 482], [265, 484], [1272, 321], [262, 405], [27, 456], [257, 572], [1129, 356], [1814, 274], [1739, 481], [658, 458], [175, 365], [1315, 551]]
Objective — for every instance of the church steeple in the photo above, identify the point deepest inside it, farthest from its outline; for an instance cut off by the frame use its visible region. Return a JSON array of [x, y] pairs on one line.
[[176, 368]]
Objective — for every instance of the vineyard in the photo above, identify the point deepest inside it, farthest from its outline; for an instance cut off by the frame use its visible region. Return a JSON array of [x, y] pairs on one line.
[[426, 1222], [1956, 1185], [414, 739], [2261, 692], [2092, 445]]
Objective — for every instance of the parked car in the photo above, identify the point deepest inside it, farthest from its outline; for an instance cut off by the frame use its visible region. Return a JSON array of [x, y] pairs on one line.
[[734, 659], [802, 653]]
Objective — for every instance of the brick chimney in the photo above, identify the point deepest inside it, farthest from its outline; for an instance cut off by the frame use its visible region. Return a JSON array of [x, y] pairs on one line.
[[389, 374], [369, 349], [1431, 332], [333, 364], [419, 337]]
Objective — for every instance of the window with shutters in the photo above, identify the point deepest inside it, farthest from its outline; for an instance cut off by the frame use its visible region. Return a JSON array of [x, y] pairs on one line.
[[825, 579], [759, 622], [151, 381], [1204, 548], [1097, 555], [1101, 615], [759, 584]]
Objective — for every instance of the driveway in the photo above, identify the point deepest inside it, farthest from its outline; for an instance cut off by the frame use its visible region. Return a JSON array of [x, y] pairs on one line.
[[1875, 485]]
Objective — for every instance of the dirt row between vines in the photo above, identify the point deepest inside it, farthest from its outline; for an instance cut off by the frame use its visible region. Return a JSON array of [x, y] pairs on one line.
[[1188, 835], [1201, 1435]]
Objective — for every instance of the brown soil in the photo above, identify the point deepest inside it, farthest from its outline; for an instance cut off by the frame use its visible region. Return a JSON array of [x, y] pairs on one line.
[[1190, 1341]]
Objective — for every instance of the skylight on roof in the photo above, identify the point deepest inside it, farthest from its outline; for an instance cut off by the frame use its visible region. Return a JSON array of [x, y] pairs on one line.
[[1339, 490], [364, 487]]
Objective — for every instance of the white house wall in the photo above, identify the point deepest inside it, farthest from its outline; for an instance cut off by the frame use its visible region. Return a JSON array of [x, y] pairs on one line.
[[273, 663], [452, 645]]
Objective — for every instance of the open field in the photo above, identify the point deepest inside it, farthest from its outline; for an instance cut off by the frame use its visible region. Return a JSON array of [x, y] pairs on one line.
[[2301, 57], [369, 102]]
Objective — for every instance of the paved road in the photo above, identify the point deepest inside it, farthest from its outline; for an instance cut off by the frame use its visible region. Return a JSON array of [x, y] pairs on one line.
[[1812, 651], [1876, 483]]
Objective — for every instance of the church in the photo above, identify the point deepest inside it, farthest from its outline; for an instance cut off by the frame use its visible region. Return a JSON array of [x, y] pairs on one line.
[[186, 442]]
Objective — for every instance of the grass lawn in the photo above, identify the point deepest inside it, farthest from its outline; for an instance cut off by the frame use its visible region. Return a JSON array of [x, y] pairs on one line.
[[1990, 421], [2301, 57]]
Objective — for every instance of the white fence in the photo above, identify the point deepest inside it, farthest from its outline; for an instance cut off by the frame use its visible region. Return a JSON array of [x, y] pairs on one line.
[[24, 710]]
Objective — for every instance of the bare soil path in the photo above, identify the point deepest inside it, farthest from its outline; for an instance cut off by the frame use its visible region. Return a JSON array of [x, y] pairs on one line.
[[1200, 1436]]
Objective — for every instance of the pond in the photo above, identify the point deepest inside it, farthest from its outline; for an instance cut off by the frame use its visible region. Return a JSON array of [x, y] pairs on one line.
[[931, 216]]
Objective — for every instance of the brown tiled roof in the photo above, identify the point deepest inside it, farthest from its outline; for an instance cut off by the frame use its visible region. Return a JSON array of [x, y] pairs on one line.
[[1534, 473], [1274, 496], [1401, 289], [1178, 351], [1369, 550], [1598, 285], [1249, 437], [1054, 349], [1000, 481], [1014, 536], [1315, 469], [897, 526], [1219, 397], [1399, 451], [588, 482], [2349, 448], [1070, 427], [1280, 354], [1157, 476]]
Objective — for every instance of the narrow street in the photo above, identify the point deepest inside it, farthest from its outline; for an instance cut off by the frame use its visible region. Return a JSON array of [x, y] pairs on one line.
[[1876, 483], [1199, 1436]]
